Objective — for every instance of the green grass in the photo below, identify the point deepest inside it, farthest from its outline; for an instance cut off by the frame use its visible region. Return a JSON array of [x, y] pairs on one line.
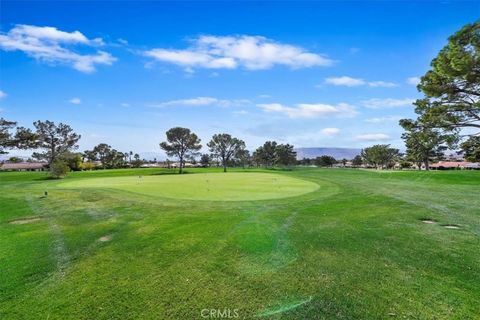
[[352, 248], [206, 186]]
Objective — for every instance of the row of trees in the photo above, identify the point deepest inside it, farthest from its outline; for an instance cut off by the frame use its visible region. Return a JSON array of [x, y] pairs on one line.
[[184, 145], [378, 156], [448, 116], [56, 145], [111, 158]]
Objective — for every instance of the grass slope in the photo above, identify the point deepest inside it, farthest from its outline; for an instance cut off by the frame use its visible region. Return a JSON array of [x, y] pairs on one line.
[[353, 249]]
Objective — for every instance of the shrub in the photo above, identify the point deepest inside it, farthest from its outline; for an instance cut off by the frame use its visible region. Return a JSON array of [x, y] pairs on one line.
[[58, 169]]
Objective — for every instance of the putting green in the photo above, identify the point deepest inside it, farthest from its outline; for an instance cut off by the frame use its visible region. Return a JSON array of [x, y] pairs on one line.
[[231, 186]]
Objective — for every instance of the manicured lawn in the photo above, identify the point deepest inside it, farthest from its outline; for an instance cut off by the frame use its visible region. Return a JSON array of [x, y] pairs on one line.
[[322, 244], [234, 186]]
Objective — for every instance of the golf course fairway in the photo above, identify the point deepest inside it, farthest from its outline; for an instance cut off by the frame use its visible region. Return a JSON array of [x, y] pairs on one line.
[[322, 244], [206, 186]]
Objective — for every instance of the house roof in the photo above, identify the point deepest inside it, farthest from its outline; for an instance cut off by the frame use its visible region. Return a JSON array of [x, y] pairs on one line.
[[22, 166], [451, 164]]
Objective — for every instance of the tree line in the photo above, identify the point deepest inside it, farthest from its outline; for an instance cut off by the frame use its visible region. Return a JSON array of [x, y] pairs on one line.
[[56, 145], [448, 116], [226, 150]]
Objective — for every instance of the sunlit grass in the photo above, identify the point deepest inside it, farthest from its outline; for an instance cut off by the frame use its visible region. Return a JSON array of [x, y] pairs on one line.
[[355, 248]]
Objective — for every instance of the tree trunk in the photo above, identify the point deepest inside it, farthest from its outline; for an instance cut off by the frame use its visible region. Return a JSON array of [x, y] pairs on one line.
[[181, 165], [427, 167]]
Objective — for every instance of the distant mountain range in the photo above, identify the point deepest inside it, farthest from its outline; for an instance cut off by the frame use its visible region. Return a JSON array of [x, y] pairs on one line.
[[337, 153]]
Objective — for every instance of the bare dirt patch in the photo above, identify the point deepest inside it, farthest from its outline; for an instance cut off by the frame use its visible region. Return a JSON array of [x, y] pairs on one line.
[[25, 221], [428, 221], [105, 238], [451, 226]]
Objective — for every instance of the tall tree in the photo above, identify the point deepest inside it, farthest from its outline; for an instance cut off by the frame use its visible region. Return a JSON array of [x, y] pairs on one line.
[[285, 155], [205, 160], [243, 157], [471, 149], [137, 162], [357, 161], [452, 86], [181, 143], [325, 161], [90, 155], [102, 152], [424, 144], [380, 155], [54, 139], [225, 147], [265, 154], [5, 134]]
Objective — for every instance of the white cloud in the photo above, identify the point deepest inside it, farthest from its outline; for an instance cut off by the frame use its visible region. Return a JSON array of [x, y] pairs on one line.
[[345, 81], [202, 101], [124, 104], [122, 41], [231, 52], [373, 137], [50, 45], [264, 96], [377, 103], [413, 81], [75, 101], [383, 119], [2, 94], [329, 132], [382, 84], [306, 110]]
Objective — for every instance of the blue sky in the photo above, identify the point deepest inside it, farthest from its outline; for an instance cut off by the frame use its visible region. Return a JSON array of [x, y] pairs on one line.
[[314, 74]]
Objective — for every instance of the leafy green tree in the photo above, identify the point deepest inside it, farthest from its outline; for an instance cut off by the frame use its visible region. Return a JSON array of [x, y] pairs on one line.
[[205, 160], [90, 155], [325, 161], [5, 135], [102, 152], [405, 164], [58, 169], [471, 149], [115, 159], [265, 154], [357, 161], [424, 144], [285, 155], [73, 160], [452, 86], [109, 157], [243, 158], [380, 155], [137, 162], [181, 143], [225, 147], [54, 139], [14, 160]]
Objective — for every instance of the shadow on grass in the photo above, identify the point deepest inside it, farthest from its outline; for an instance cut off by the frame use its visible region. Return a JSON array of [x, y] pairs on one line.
[[170, 173]]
